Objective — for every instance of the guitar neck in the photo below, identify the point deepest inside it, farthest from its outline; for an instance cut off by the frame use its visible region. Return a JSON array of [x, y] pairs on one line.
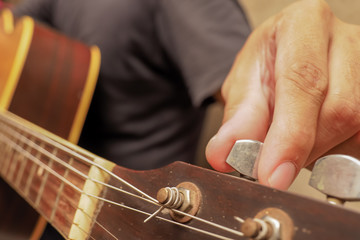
[[47, 79], [47, 171]]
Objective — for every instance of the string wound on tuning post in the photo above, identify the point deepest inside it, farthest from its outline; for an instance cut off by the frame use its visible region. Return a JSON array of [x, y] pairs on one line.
[[154, 214], [169, 198], [184, 201]]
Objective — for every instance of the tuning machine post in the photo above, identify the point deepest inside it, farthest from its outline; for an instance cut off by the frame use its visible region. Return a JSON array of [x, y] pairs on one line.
[[269, 224], [184, 198], [338, 177]]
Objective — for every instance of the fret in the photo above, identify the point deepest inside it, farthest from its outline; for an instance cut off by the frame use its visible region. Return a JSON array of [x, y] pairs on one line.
[[15, 162], [3, 154], [6, 159], [23, 165], [61, 188], [44, 179], [9, 152], [5, 149], [2, 150], [32, 172], [44, 182]]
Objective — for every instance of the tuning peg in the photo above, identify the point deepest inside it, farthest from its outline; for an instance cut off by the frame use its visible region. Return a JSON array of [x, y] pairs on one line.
[[337, 176], [244, 158]]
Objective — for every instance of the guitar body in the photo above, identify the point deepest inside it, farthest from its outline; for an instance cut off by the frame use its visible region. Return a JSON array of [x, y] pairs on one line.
[[48, 80]]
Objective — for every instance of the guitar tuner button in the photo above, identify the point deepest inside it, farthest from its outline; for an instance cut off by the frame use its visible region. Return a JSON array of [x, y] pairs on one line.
[[337, 176], [244, 156]]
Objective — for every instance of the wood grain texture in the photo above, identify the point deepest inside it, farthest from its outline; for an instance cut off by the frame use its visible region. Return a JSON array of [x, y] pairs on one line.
[[52, 81], [48, 87], [224, 197]]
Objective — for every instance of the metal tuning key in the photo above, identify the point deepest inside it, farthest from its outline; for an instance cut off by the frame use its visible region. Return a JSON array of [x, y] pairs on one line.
[[244, 158], [269, 224], [338, 177]]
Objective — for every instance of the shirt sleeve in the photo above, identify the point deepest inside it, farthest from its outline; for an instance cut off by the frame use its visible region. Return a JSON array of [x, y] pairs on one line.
[[40, 10], [202, 37]]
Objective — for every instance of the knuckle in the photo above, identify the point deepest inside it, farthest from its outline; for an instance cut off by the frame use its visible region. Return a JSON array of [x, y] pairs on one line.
[[308, 78], [352, 68], [357, 139], [318, 7], [321, 6], [344, 114]]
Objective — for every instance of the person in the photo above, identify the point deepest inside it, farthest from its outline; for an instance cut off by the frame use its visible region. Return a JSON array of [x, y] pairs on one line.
[[295, 85], [163, 62]]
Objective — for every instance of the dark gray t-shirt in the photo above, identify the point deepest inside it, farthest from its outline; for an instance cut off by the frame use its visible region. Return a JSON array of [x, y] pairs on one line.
[[162, 60]]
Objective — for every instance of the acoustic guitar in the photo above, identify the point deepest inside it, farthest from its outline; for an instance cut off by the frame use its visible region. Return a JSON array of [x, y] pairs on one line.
[[87, 197], [47, 79]]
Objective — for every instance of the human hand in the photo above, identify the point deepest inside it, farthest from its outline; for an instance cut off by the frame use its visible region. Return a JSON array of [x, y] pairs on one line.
[[295, 86]]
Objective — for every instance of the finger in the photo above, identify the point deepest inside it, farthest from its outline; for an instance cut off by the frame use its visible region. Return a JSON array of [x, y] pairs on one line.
[[340, 115], [301, 81], [249, 122], [248, 94], [349, 147]]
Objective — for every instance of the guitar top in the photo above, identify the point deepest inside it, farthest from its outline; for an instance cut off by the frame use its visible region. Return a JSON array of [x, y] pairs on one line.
[[47, 79]]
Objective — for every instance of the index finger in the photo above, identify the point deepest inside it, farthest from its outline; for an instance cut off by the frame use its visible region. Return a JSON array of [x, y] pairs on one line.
[[301, 75]]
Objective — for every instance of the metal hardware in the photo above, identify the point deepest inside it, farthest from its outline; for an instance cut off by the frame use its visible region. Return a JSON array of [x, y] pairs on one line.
[[185, 197], [174, 198], [268, 224], [338, 177], [267, 228], [244, 156], [191, 203]]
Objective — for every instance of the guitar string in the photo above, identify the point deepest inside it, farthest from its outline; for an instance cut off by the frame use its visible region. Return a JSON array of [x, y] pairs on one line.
[[205, 221], [66, 149], [216, 225], [67, 200], [64, 218], [16, 147], [50, 155], [75, 207], [71, 203], [91, 163]]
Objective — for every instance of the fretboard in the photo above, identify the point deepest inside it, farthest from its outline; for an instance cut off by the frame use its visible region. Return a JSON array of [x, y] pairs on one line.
[[46, 171]]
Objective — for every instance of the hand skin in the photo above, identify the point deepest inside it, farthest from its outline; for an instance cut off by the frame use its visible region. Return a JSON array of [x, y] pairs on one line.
[[295, 86]]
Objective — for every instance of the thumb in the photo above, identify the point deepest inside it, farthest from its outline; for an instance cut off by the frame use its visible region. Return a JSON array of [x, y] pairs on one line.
[[248, 93], [249, 122]]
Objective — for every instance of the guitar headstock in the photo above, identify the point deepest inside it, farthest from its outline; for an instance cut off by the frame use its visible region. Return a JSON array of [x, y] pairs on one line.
[[84, 195], [224, 202]]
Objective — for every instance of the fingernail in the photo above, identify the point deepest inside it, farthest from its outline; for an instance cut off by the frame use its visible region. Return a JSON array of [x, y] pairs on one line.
[[213, 138], [283, 176], [211, 141]]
